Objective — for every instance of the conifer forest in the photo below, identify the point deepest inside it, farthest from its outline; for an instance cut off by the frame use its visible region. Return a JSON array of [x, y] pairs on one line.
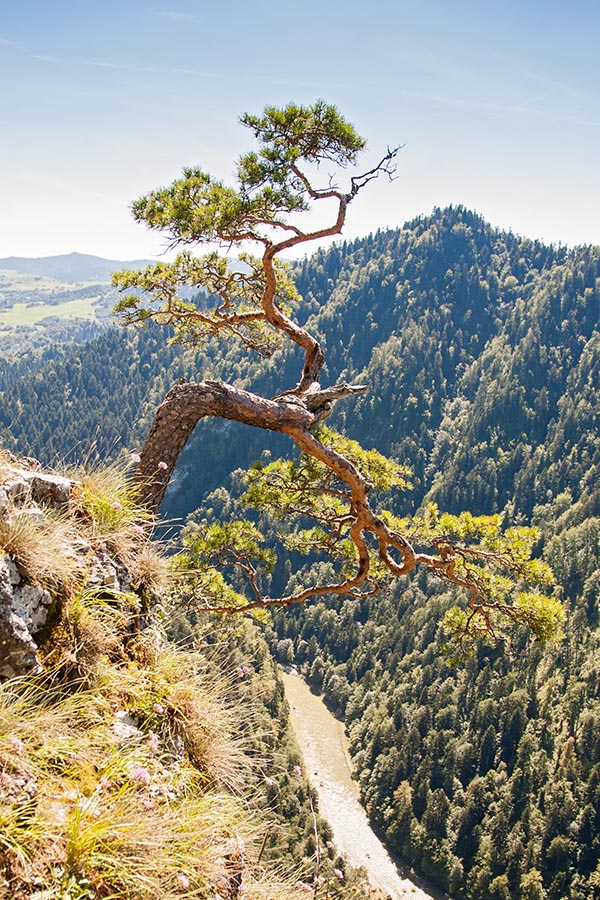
[[480, 352]]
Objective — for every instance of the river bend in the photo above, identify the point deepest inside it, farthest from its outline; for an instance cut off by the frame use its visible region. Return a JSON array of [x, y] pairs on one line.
[[324, 746]]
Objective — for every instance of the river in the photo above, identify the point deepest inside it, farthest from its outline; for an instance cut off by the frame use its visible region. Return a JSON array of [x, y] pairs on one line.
[[324, 746]]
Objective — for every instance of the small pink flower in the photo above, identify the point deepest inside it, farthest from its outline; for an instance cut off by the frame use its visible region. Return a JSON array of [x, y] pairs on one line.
[[135, 458], [147, 803], [105, 783], [329, 845], [305, 887], [297, 770], [163, 465], [183, 881], [140, 774], [117, 505], [152, 742], [17, 745], [338, 874], [269, 782], [138, 529], [158, 709]]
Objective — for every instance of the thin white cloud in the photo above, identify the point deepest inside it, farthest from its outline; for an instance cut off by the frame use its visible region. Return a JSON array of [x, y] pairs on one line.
[[17, 46], [443, 100], [143, 69], [559, 86], [527, 106], [188, 18], [125, 67]]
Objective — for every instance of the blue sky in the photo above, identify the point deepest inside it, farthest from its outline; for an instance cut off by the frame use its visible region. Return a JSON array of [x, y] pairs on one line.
[[497, 105]]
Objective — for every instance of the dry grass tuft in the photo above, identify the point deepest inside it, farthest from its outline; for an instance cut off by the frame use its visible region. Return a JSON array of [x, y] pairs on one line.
[[8, 463], [196, 716], [118, 814], [49, 547], [94, 625], [150, 569], [41, 545], [109, 505]]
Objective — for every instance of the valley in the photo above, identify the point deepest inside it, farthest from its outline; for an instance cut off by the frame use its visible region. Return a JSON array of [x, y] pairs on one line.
[[480, 351]]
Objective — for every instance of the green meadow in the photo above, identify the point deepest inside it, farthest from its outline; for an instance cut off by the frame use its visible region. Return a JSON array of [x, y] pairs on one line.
[[22, 314]]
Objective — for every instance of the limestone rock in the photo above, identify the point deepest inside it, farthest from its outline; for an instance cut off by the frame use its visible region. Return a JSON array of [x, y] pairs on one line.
[[102, 574], [51, 490], [9, 574], [17, 648], [125, 729], [32, 604], [17, 489], [18, 654], [27, 494], [41, 487]]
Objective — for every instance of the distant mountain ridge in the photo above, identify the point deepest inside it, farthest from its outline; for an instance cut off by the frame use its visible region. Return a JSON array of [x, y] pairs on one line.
[[70, 266]]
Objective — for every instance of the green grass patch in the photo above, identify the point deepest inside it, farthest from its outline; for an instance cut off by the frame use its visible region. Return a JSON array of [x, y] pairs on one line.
[[22, 314]]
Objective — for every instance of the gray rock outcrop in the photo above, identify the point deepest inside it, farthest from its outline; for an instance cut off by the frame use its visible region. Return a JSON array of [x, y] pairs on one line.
[[26, 494]]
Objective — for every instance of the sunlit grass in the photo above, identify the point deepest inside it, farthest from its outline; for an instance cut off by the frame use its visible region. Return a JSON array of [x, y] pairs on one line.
[[42, 547], [123, 770], [108, 501], [104, 512], [126, 814], [24, 314]]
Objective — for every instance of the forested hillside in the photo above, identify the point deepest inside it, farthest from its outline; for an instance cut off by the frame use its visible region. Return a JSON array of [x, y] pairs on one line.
[[480, 352], [88, 400], [484, 775]]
